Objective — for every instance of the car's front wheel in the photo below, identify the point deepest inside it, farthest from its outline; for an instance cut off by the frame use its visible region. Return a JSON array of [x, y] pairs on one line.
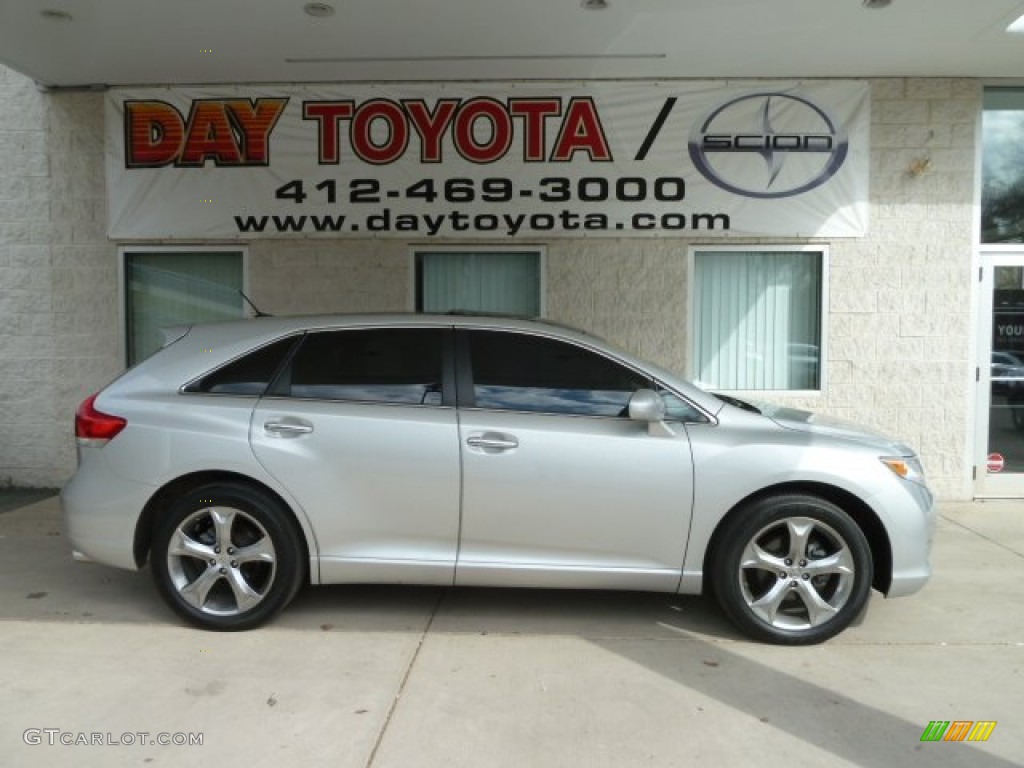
[[226, 556], [792, 569]]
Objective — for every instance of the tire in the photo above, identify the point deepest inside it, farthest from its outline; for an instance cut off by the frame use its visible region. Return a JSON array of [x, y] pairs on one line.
[[791, 570], [227, 556]]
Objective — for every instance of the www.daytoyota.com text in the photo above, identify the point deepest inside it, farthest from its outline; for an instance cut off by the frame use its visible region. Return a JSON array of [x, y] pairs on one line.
[[476, 198]]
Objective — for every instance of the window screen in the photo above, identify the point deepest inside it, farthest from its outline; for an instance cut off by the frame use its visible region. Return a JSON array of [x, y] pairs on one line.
[[505, 282], [174, 288], [758, 319]]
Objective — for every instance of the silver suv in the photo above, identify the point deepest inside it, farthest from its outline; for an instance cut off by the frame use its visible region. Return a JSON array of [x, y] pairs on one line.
[[246, 459]]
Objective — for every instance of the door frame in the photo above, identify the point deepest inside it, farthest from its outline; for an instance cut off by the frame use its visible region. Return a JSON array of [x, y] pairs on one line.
[[986, 484]]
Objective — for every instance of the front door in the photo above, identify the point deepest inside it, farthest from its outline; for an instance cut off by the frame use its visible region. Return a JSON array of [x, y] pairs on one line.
[[560, 486], [999, 451]]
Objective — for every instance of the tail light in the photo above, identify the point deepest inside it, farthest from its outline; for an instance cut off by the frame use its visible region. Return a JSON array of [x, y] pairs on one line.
[[91, 424]]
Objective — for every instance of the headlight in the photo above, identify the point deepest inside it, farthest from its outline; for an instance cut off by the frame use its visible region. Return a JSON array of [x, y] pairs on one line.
[[907, 467]]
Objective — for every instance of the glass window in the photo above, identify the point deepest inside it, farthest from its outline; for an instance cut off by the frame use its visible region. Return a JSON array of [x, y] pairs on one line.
[[400, 365], [506, 282], [677, 409], [519, 372], [248, 375], [1002, 166], [165, 288], [758, 319]]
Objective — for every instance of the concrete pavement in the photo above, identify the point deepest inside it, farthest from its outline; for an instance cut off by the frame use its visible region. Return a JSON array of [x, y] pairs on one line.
[[15, 498], [394, 677]]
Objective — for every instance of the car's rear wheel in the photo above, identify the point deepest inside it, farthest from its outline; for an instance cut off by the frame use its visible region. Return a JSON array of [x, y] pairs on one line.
[[227, 556], [792, 569]]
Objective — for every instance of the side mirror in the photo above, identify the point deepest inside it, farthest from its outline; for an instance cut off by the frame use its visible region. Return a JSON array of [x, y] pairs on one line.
[[647, 406]]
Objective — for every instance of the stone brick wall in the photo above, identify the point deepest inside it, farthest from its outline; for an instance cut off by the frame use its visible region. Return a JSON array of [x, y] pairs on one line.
[[900, 323], [314, 277], [59, 334], [898, 328]]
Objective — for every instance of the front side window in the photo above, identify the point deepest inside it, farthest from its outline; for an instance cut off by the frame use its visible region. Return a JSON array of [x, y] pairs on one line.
[[166, 288], [677, 409], [520, 372], [398, 366], [758, 319]]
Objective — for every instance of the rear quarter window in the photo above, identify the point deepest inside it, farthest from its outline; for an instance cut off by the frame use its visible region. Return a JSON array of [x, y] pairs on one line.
[[249, 375]]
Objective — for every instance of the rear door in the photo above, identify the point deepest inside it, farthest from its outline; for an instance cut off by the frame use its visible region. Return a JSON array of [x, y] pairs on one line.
[[362, 430], [560, 487]]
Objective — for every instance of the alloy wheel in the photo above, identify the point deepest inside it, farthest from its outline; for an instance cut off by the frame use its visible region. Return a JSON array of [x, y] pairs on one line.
[[796, 573], [221, 561]]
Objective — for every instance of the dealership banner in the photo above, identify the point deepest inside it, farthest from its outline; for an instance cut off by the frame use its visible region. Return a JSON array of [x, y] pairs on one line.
[[489, 160]]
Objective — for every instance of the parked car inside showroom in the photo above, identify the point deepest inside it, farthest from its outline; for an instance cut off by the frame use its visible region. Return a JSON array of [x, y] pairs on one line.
[[248, 458]]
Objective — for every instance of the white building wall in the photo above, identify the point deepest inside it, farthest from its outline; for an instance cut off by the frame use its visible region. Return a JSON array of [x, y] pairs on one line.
[[900, 324], [898, 331], [59, 336]]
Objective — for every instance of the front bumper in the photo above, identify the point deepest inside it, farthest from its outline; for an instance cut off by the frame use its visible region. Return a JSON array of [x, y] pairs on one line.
[[910, 519]]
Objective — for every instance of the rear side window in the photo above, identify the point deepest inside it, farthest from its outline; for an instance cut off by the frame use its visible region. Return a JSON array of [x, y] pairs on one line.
[[248, 375], [519, 372], [390, 365]]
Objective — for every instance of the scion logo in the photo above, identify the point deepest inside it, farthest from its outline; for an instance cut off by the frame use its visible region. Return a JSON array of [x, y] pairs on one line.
[[768, 145]]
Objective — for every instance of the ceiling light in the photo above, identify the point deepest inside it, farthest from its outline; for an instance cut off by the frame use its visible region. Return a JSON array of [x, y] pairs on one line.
[[498, 57], [595, 5], [319, 10], [52, 14], [876, 4], [1017, 27]]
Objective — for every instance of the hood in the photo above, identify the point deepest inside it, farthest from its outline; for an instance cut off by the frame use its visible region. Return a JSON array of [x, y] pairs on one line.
[[816, 423]]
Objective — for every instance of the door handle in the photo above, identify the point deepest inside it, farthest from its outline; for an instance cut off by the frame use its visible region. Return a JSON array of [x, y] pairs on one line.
[[493, 441], [288, 427]]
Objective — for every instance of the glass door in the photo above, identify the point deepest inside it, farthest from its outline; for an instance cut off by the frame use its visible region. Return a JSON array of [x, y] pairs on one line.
[[999, 453]]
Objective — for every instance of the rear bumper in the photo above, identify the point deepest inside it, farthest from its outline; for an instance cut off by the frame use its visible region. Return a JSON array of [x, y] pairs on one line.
[[100, 512]]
